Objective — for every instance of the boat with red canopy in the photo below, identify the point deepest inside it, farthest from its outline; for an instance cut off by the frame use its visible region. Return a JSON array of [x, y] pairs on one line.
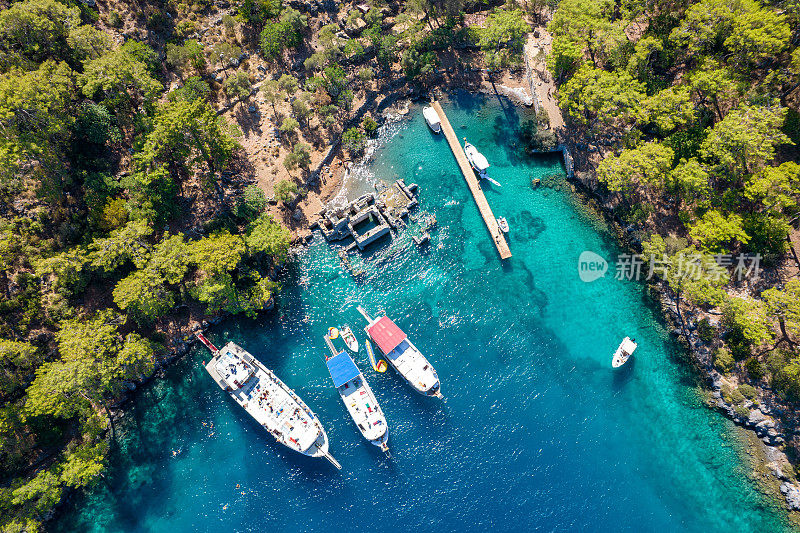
[[401, 353]]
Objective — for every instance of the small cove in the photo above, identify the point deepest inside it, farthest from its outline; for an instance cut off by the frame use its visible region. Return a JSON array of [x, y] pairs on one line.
[[537, 432]]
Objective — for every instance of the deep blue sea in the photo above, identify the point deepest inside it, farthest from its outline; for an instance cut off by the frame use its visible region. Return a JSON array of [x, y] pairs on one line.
[[537, 432]]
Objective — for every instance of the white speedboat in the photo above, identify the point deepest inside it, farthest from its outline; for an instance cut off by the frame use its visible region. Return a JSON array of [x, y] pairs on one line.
[[624, 352], [432, 118], [358, 398], [402, 355], [349, 339], [476, 159], [268, 400], [502, 223]]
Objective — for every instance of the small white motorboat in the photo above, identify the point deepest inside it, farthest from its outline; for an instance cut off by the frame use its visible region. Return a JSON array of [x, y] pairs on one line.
[[476, 159], [502, 223], [349, 339], [624, 352], [432, 118]]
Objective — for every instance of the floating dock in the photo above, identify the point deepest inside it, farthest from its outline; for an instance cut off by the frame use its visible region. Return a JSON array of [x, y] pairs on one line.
[[469, 175]]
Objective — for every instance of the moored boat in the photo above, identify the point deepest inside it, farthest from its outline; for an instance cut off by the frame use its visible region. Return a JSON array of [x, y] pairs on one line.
[[401, 353], [378, 365], [502, 223], [268, 400], [432, 118], [349, 339], [358, 398], [476, 159], [624, 352]]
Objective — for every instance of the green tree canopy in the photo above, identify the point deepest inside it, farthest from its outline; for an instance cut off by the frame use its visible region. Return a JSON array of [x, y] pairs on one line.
[[595, 94], [745, 139], [38, 29], [647, 165], [776, 188], [119, 79], [35, 117], [127, 244], [185, 133], [265, 236], [716, 231]]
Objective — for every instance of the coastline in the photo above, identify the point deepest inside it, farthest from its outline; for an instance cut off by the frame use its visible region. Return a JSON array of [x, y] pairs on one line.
[[760, 425], [299, 246], [764, 431]]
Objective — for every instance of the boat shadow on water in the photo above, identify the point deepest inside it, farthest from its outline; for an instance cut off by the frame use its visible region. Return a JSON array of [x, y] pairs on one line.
[[623, 375]]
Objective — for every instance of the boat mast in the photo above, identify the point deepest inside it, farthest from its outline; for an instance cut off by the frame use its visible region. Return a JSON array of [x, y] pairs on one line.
[[330, 458], [364, 314]]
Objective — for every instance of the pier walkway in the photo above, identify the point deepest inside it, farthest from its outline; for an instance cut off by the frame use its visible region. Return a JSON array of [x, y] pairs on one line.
[[474, 187]]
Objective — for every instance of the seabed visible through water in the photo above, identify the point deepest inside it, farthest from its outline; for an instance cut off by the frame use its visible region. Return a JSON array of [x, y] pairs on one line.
[[536, 432]]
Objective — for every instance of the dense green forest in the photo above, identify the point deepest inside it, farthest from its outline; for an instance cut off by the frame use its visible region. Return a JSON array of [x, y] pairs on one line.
[[92, 160], [119, 207], [112, 119], [696, 103]]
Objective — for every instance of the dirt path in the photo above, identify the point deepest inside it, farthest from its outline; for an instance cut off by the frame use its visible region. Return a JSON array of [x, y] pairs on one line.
[[536, 49]]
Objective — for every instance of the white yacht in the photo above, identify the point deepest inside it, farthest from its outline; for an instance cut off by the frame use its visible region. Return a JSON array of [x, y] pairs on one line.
[[402, 355], [502, 223], [268, 400], [624, 352], [476, 159], [433, 120], [358, 398]]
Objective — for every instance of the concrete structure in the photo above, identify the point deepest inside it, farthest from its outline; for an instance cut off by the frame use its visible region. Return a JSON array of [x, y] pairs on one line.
[[472, 182], [383, 212]]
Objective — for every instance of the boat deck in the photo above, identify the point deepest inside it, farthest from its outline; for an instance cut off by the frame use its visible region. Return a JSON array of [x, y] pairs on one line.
[[469, 175], [363, 408], [266, 399], [413, 366]]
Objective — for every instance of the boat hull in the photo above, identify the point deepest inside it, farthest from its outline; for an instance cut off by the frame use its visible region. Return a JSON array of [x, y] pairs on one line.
[[434, 390], [246, 396], [432, 119], [349, 339]]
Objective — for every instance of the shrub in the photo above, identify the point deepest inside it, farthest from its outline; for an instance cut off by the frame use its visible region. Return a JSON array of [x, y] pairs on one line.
[[705, 330], [252, 202], [732, 396], [369, 125], [229, 21], [300, 157], [353, 140], [755, 369], [366, 74], [748, 391], [742, 411], [114, 19], [238, 85], [289, 125], [723, 360], [285, 191], [195, 88]]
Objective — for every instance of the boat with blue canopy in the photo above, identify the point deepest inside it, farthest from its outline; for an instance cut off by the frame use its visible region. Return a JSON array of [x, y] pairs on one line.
[[358, 397]]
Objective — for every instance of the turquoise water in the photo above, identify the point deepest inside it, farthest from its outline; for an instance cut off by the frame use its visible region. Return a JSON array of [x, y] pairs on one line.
[[536, 433]]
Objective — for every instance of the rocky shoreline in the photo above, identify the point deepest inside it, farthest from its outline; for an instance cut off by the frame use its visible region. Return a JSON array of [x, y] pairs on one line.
[[759, 415]]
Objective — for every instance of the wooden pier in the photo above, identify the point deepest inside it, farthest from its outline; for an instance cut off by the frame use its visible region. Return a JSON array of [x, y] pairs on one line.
[[474, 187]]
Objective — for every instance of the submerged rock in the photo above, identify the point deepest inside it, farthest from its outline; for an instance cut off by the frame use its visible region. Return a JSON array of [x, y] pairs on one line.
[[792, 494]]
